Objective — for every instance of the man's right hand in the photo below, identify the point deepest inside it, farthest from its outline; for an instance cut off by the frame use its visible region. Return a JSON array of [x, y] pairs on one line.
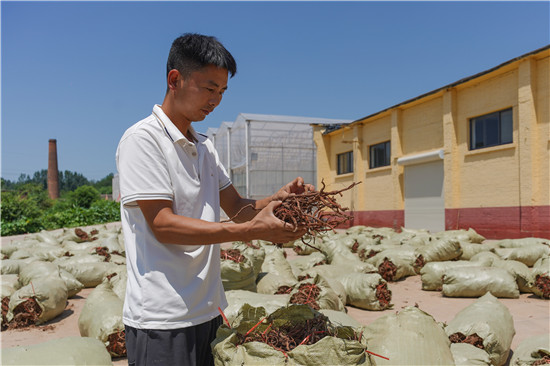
[[266, 226]]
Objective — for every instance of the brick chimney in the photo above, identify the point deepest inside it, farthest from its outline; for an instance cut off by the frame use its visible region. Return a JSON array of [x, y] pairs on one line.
[[53, 173]]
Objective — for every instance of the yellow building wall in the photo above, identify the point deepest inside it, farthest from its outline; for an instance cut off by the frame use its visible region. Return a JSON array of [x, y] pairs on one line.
[[488, 177], [378, 179], [503, 178], [422, 127], [542, 88]]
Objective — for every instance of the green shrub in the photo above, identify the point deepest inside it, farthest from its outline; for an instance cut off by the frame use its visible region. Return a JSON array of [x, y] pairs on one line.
[[84, 196]]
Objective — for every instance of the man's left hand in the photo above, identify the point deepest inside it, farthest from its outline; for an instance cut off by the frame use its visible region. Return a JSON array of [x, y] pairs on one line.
[[297, 186]]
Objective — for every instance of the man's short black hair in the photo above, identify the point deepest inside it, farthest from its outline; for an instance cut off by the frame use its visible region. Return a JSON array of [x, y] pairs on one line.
[[191, 52]]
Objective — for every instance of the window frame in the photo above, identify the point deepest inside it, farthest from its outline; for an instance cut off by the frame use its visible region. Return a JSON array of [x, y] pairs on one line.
[[483, 121], [387, 154], [348, 156]]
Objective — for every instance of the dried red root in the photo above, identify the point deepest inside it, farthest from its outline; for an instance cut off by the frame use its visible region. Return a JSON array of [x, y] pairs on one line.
[[307, 294], [543, 284], [419, 262], [383, 294], [104, 251], [316, 211], [25, 314], [283, 290], [472, 339], [545, 360], [84, 236], [5, 309], [117, 343], [387, 270], [232, 254], [364, 255], [289, 336]]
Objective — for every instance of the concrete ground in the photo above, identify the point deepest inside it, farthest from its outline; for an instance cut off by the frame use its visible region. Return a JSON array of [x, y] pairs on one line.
[[531, 314]]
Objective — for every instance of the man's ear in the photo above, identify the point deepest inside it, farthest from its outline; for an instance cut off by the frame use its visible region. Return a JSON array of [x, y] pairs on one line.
[[173, 77]]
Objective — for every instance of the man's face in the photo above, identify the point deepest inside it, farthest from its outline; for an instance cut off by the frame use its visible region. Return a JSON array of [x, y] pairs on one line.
[[199, 93]]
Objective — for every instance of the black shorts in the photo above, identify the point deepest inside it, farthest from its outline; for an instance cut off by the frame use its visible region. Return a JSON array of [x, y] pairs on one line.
[[172, 347]]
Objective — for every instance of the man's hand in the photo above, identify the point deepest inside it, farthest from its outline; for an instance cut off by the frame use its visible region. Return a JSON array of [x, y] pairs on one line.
[[297, 186], [268, 227]]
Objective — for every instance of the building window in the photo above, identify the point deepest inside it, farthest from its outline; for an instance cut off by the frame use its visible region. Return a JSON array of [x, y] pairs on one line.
[[491, 129], [345, 162], [379, 155]]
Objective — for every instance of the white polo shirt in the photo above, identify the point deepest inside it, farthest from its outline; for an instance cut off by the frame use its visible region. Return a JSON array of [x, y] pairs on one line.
[[169, 286]]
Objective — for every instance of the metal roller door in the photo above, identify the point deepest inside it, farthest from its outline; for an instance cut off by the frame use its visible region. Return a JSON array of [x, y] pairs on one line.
[[424, 193]]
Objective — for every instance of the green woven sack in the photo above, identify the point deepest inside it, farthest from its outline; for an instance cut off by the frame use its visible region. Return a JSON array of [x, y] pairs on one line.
[[410, 337], [490, 320], [532, 350], [330, 350], [101, 316], [49, 292], [477, 281], [74, 351]]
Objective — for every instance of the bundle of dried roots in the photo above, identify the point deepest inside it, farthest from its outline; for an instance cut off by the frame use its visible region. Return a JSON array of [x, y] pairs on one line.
[[288, 336], [307, 294], [233, 255], [473, 339]]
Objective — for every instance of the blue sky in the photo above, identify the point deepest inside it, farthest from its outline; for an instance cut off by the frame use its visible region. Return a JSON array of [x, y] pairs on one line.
[[83, 72]]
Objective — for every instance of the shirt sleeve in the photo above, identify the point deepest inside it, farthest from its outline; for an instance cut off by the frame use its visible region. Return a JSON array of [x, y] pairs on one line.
[[224, 180], [143, 170]]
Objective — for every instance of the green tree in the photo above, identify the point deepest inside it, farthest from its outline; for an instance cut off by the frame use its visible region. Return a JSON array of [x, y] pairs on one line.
[[84, 196]]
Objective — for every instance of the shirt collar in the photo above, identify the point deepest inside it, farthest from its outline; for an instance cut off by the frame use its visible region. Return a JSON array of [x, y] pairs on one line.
[[171, 130]]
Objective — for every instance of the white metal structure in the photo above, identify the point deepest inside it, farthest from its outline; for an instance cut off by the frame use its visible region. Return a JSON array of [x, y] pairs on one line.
[[264, 152]]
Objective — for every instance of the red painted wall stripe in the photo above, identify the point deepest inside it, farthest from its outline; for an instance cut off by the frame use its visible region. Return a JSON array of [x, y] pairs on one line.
[[491, 222]]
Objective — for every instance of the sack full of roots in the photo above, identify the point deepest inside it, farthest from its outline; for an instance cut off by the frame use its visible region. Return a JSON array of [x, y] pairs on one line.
[[527, 254], [532, 351], [237, 271], [41, 300], [437, 251], [487, 324], [432, 273], [540, 282], [74, 351], [237, 298], [410, 337], [317, 293], [254, 252], [366, 291], [101, 318], [477, 281], [305, 262], [520, 271], [394, 264], [294, 335]]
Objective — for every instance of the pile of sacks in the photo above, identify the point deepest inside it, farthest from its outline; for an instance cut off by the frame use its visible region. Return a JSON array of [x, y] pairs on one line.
[[480, 334], [40, 272], [460, 263]]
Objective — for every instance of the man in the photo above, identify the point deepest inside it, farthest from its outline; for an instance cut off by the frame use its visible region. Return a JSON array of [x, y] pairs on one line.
[[172, 185]]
